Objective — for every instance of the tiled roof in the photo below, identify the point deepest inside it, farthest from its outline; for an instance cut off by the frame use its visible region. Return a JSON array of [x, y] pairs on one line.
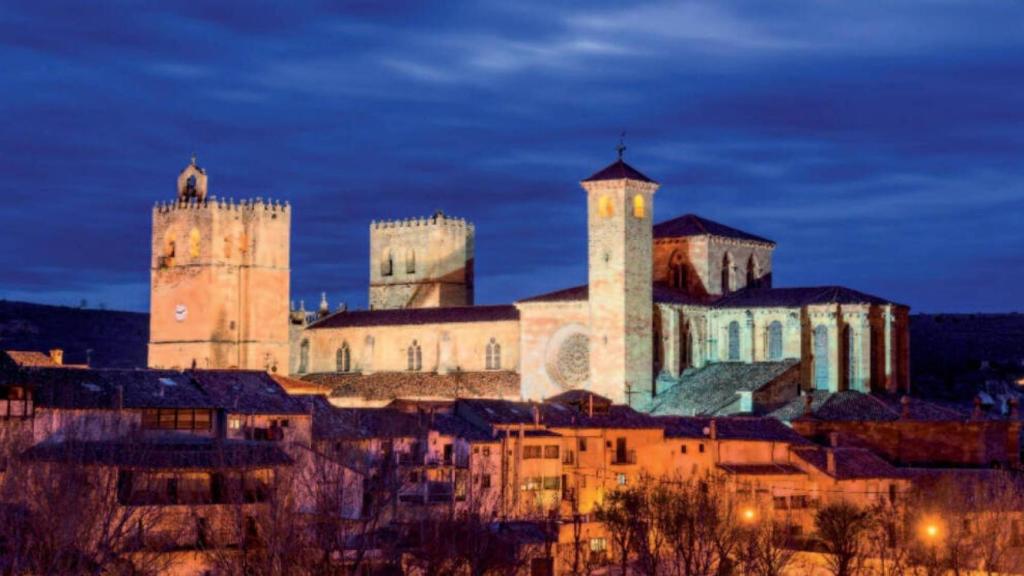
[[796, 297], [851, 405], [850, 463], [334, 423], [237, 391], [409, 316], [555, 414], [714, 388], [392, 385], [693, 225], [759, 469], [659, 292], [618, 170], [731, 428], [28, 359], [198, 454]]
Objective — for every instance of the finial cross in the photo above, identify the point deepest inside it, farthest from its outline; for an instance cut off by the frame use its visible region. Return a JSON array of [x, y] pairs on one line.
[[621, 148], [193, 158]]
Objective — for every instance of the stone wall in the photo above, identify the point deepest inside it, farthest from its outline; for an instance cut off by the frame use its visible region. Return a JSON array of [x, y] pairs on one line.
[[554, 347], [455, 346], [220, 284], [739, 254], [421, 263]]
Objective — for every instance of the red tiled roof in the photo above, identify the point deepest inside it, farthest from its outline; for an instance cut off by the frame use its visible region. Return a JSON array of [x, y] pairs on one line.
[[796, 297], [659, 292], [850, 463], [760, 469], [694, 225], [618, 170], [407, 316]]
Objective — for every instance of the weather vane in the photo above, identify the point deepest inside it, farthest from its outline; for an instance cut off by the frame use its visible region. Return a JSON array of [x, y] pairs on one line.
[[621, 148], [193, 158]]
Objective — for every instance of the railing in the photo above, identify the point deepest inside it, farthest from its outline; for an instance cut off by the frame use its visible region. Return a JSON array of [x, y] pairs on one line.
[[16, 408], [624, 458]]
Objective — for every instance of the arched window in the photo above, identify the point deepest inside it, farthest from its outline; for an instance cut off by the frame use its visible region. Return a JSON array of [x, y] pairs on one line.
[[658, 348], [852, 357], [677, 271], [304, 357], [493, 355], [734, 341], [604, 207], [387, 263], [193, 243], [775, 340], [726, 274], [751, 272], [639, 209], [410, 262], [821, 358], [685, 346], [414, 356], [344, 358]]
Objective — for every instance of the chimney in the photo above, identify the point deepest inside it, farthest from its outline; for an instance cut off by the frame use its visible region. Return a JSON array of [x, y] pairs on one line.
[[57, 355], [830, 461], [713, 429], [833, 439], [808, 404], [590, 405], [905, 407]]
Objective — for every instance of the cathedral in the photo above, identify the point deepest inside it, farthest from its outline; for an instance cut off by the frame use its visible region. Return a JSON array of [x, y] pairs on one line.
[[677, 317]]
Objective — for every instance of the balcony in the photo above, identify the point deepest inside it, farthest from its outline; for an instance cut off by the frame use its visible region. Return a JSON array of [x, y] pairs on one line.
[[624, 457]]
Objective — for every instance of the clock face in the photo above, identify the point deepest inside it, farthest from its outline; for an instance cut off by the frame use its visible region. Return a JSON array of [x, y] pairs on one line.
[[180, 312]]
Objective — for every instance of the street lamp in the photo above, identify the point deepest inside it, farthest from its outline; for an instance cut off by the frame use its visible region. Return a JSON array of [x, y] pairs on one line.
[[749, 515]]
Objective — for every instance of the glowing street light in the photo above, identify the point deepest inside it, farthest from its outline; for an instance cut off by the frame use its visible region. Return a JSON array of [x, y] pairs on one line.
[[749, 515]]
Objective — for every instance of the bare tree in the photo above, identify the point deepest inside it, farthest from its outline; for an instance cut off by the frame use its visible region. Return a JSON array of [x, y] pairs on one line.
[[841, 530]]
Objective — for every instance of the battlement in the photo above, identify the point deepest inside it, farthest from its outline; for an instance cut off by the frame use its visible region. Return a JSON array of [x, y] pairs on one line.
[[438, 219], [214, 203]]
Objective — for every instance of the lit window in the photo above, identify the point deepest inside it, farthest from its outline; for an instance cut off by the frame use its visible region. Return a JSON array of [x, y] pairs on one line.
[[639, 209], [620, 479], [604, 207], [193, 243], [235, 422]]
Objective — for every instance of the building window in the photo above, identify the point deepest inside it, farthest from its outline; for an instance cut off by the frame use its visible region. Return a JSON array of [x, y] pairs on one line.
[[344, 358], [678, 277], [685, 345], [604, 207], [726, 274], [304, 357], [410, 262], [851, 357], [415, 356], [582, 444], [551, 452], [639, 209], [485, 481], [193, 243], [700, 448], [734, 341], [621, 479], [387, 263], [532, 452], [234, 422], [751, 272], [176, 419], [775, 340], [551, 483], [493, 355], [821, 358], [682, 449]]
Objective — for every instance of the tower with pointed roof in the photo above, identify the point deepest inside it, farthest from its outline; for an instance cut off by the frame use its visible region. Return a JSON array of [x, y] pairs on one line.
[[219, 280], [620, 203]]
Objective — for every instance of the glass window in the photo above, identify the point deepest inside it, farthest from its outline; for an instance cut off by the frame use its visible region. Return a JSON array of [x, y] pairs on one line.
[[775, 340], [551, 452], [734, 341], [821, 358], [531, 452], [639, 209]]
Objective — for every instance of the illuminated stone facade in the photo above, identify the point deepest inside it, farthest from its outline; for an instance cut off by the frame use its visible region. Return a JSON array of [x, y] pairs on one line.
[[220, 280]]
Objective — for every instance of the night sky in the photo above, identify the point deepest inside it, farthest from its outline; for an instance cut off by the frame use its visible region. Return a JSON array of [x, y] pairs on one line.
[[881, 144]]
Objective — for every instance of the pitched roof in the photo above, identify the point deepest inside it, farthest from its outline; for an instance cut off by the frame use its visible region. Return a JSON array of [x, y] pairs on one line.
[[555, 414], [851, 405], [850, 463], [392, 385], [694, 225], [796, 297], [618, 170], [26, 358], [334, 423], [759, 469], [716, 388], [178, 454], [731, 428], [237, 391], [660, 293], [407, 316]]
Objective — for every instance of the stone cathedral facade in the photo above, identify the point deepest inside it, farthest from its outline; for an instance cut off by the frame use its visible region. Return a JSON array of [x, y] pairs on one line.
[[680, 316]]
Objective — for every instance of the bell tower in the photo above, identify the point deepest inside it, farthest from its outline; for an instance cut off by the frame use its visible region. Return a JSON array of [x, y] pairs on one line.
[[620, 202], [219, 280]]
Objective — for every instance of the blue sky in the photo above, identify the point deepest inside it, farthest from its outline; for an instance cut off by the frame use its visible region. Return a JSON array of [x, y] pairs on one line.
[[880, 144]]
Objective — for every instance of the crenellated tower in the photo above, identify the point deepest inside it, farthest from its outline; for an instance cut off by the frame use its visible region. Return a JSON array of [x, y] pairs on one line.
[[219, 280], [620, 203], [421, 262]]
